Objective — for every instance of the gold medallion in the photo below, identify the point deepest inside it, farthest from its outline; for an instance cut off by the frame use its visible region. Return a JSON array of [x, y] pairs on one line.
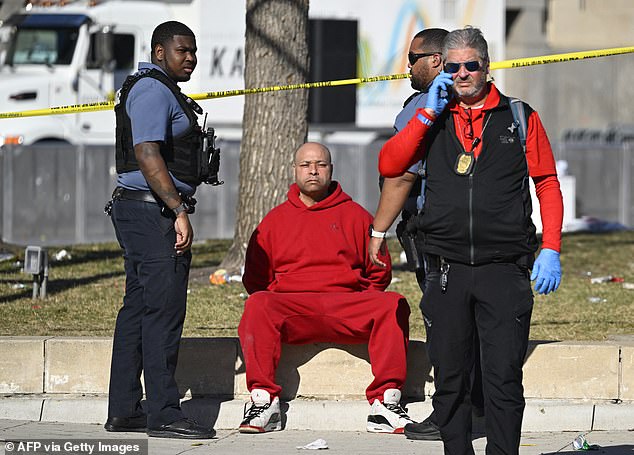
[[464, 163]]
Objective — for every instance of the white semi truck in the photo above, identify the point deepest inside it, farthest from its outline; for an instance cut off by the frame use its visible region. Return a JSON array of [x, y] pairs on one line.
[[76, 53], [64, 52]]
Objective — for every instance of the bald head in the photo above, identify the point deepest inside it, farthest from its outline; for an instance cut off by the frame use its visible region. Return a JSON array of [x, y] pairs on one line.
[[313, 171], [311, 146]]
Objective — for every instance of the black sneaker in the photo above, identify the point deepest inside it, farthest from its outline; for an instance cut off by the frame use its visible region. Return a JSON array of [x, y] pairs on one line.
[[182, 429], [427, 430]]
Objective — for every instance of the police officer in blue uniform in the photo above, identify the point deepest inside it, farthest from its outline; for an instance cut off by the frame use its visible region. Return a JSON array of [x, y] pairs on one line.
[[425, 62], [158, 143]]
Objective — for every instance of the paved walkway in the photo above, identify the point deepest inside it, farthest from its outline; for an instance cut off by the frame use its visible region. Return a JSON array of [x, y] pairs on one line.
[[286, 442]]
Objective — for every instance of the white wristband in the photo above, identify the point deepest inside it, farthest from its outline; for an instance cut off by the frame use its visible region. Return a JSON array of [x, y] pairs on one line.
[[376, 234]]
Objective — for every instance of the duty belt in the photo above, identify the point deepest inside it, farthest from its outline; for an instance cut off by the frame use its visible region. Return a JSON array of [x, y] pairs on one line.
[[133, 195], [120, 193]]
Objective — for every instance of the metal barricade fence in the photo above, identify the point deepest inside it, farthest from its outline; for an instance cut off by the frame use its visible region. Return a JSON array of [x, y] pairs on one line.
[[602, 163], [54, 194]]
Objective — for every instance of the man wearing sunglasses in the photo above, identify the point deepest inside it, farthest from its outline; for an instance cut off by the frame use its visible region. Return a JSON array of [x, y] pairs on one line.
[[477, 238], [425, 63]]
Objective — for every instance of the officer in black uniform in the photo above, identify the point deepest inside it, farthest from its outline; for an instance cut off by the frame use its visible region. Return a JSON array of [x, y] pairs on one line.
[[158, 154]]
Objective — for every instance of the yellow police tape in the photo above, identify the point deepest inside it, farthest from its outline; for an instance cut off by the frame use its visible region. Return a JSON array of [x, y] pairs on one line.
[[505, 64]]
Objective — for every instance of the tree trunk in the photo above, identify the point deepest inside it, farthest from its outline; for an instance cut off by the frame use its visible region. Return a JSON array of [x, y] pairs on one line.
[[275, 123]]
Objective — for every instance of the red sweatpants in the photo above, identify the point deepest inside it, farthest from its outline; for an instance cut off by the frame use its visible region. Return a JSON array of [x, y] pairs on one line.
[[380, 319]]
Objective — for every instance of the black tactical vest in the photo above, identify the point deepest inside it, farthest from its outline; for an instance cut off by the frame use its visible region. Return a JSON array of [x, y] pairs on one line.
[[181, 154], [485, 216]]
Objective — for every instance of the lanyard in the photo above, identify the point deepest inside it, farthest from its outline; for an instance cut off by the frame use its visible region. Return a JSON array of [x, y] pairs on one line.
[[463, 138]]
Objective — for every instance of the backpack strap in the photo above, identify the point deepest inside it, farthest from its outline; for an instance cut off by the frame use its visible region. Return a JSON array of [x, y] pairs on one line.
[[521, 121], [519, 116]]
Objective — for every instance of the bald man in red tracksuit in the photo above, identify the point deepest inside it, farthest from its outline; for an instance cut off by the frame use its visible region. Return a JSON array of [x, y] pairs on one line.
[[310, 279]]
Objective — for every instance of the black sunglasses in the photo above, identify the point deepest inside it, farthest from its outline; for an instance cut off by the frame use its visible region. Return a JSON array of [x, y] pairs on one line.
[[413, 57], [453, 68]]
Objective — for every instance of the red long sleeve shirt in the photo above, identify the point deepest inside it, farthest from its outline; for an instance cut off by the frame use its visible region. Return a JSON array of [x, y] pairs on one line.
[[409, 146]]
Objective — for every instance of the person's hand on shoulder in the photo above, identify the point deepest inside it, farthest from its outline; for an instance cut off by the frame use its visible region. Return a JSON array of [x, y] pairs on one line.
[[546, 271]]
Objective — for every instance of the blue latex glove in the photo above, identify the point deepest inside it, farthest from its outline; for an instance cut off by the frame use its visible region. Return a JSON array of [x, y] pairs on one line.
[[546, 271], [435, 101]]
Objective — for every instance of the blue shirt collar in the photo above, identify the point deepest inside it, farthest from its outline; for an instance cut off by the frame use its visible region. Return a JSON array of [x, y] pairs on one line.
[[149, 66]]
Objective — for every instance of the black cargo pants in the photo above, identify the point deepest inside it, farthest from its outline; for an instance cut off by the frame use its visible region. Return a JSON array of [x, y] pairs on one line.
[[496, 299]]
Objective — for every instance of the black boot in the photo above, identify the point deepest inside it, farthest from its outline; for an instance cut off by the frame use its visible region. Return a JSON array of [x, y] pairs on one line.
[[427, 430]]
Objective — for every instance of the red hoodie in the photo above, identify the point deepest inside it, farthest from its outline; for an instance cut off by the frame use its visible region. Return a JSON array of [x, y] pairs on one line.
[[322, 248]]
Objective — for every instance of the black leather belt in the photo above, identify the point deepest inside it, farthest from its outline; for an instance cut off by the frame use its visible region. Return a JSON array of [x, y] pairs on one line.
[[433, 261], [134, 195]]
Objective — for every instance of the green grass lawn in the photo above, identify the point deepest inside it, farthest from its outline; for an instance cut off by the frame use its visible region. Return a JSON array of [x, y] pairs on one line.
[[85, 292]]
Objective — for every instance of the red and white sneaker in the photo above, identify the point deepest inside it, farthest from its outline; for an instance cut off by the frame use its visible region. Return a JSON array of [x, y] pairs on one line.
[[261, 415], [389, 416]]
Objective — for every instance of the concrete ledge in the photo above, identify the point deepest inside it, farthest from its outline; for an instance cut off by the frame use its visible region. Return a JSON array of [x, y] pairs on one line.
[[77, 365], [213, 367], [21, 364], [28, 407], [613, 416], [87, 409], [320, 415], [326, 370], [572, 370], [542, 415]]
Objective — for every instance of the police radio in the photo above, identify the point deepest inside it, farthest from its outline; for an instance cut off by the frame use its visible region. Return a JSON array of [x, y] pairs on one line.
[[210, 157]]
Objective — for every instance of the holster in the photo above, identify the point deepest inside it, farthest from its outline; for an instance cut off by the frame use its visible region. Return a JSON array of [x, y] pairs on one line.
[[406, 233], [209, 165]]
